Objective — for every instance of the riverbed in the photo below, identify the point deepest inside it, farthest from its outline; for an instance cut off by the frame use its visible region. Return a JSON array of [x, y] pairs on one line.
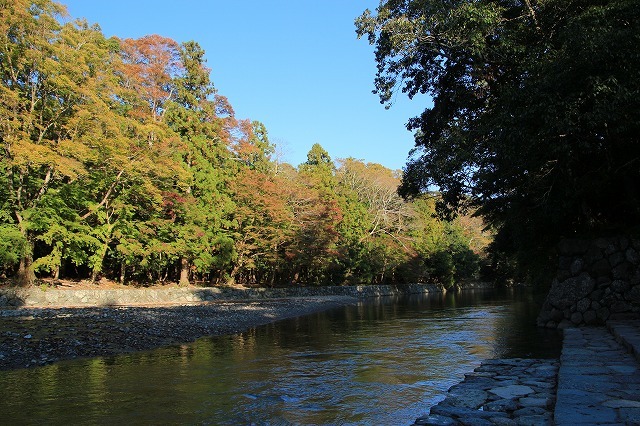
[[382, 361]]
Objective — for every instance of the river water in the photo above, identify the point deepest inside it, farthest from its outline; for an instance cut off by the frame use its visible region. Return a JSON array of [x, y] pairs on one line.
[[383, 362]]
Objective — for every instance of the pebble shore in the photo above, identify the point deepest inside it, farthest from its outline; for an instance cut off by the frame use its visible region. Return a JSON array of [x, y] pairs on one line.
[[31, 337]]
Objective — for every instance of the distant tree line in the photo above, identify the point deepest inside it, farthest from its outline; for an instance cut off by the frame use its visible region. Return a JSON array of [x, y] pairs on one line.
[[119, 159]]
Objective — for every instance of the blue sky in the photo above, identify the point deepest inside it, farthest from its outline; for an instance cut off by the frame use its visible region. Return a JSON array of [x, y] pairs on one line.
[[296, 66]]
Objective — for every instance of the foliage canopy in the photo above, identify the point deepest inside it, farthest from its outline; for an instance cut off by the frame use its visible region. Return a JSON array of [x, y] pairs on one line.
[[536, 113], [120, 159]]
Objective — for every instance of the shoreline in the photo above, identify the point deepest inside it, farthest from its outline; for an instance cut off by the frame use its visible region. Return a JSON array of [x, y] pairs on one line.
[[37, 336]]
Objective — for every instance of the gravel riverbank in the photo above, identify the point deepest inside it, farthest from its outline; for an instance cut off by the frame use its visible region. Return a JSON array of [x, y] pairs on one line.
[[37, 336]]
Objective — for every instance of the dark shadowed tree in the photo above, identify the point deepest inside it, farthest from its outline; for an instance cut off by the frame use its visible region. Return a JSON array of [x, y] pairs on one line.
[[536, 113]]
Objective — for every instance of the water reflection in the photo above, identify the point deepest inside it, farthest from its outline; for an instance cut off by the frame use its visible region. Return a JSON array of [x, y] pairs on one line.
[[382, 362]]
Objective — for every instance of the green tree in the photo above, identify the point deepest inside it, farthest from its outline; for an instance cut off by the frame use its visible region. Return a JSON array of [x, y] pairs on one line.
[[314, 252], [319, 169], [57, 90], [444, 247], [535, 119], [204, 122]]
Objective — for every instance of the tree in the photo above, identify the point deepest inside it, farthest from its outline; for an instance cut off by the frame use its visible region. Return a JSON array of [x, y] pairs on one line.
[[152, 63], [204, 122], [314, 252], [263, 226], [319, 169], [376, 220], [56, 91], [536, 115]]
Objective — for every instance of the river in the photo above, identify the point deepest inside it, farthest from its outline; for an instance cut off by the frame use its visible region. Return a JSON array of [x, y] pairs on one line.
[[384, 362]]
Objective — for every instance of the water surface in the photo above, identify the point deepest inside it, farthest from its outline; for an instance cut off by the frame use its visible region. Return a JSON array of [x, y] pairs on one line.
[[385, 362]]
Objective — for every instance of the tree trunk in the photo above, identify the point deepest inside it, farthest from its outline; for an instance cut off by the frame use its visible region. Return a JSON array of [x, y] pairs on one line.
[[97, 267], [26, 276], [184, 271]]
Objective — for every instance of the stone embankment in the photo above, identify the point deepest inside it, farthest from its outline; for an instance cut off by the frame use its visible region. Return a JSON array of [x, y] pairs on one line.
[[53, 297], [500, 392], [596, 381], [597, 280], [475, 285]]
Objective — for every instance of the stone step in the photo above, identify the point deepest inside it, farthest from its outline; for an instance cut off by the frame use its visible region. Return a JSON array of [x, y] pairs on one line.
[[627, 333], [598, 380]]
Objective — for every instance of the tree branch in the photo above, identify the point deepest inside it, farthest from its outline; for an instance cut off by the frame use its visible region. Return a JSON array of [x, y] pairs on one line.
[[105, 198]]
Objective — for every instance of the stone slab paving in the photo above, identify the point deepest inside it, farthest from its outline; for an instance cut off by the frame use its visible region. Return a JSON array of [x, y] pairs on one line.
[[598, 380], [500, 392]]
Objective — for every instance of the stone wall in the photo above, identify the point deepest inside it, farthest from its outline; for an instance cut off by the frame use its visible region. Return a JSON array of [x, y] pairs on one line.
[[474, 285], [597, 280], [50, 297]]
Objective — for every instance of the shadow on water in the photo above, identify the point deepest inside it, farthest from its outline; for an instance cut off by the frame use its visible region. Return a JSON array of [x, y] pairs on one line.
[[384, 361]]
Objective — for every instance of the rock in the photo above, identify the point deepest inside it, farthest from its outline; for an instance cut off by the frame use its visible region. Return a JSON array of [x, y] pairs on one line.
[[462, 412], [621, 403], [619, 286], [504, 405], [513, 391], [535, 402], [529, 411], [502, 421], [630, 416], [576, 266], [603, 313], [611, 247], [545, 316], [565, 324], [616, 258], [633, 295], [536, 420], [468, 398], [593, 255], [620, 306], [601, 269], [477, 422], [623, 271], [590, 317], [632, 256], [565, 294], [624, 243], [435, 420], [576, 318], [583, 304]]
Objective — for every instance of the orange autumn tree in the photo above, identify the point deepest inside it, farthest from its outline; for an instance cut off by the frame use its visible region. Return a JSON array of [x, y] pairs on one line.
[[262, 220]]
